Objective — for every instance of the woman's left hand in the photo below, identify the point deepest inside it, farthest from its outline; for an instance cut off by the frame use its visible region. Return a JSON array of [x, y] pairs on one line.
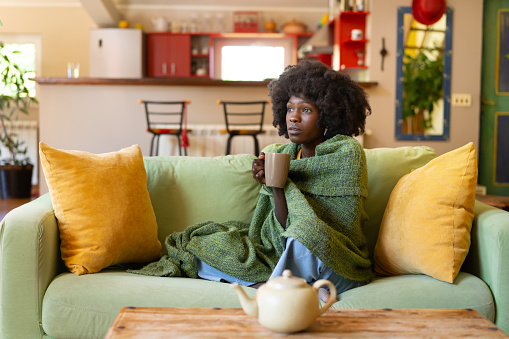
[[259, 169]]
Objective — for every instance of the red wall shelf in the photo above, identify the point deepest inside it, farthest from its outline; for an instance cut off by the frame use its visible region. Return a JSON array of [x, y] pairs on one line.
[[346, 13], [352, 53], [363, 41]]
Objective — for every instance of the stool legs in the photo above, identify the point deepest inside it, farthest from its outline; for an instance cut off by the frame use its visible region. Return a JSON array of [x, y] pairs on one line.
[[229, 143], [178, 141], [180, 146], [152, 145], [155, 139], [256, 145], [157, 144]]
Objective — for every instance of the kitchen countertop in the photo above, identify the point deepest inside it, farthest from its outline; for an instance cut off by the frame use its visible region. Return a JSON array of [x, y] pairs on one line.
[[188, 81]]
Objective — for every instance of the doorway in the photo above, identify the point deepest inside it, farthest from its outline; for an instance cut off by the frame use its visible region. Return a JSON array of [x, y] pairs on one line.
[[494, 138]]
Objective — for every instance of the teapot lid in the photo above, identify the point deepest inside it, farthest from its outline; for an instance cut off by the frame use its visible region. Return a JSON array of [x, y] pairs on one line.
[[286, 281]]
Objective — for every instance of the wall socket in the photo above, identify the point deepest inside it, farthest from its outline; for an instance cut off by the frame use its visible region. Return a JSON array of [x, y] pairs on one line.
[[462, 100]]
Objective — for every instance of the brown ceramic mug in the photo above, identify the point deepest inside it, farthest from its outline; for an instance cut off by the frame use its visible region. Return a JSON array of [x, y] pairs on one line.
[[276, 169]]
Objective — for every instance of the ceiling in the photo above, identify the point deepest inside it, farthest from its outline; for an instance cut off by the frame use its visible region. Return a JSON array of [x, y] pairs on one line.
[[35, 3], [107, 13], [169, 3], [229, 3]]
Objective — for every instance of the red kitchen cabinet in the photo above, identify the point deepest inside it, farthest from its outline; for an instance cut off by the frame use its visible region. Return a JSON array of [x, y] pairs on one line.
[[168, 55]]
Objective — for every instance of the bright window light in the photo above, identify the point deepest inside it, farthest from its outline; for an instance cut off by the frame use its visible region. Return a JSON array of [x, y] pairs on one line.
[[252, 63], [24, 56], [251, 58]]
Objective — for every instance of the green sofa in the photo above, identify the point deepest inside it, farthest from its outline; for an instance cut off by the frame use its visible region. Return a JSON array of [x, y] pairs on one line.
[[40, 298]]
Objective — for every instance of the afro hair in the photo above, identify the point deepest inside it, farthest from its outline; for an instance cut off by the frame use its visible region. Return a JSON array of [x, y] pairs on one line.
[[342, 103]]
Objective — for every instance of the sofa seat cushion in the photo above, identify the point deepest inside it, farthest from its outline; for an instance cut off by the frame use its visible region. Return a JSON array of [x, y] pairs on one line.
[[421, 291], [86, 306]]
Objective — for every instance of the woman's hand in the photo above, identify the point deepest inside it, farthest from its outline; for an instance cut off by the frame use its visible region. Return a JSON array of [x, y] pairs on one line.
[[280, 206], [259, 169]]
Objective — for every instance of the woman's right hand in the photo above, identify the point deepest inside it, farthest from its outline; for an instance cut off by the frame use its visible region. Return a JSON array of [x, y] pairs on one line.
[[259, 169]]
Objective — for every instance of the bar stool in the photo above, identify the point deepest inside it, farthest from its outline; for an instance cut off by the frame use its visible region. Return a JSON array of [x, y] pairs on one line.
[[167, 118], [243, 113]]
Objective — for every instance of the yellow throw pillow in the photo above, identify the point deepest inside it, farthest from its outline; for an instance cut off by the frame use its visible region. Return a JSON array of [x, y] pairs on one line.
[[103, 207], [427, 222]]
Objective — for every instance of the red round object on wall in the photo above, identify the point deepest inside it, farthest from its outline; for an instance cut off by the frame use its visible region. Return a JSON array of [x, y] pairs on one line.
[[427, 12]]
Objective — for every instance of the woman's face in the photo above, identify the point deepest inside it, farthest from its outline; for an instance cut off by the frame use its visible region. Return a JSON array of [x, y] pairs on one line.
[[301, 122]]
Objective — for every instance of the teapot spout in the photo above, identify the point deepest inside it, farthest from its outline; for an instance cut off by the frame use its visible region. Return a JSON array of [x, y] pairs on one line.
[[248, 304]]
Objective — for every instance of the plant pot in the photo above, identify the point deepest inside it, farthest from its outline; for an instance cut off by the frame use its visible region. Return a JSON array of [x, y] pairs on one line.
[[414, 125], [16, 181]]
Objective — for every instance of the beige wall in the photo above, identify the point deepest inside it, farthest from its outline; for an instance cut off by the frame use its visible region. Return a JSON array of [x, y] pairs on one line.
[[64, 32], [466, 74]]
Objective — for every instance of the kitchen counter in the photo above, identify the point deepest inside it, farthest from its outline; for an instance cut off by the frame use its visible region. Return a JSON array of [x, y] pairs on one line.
[[192, 81]]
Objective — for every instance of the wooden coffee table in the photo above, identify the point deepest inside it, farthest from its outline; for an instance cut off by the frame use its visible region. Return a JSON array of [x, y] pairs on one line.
[[153, 322]]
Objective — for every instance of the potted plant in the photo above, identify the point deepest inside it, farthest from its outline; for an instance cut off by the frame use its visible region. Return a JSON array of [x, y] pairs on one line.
[[15, 169], [422, 89]]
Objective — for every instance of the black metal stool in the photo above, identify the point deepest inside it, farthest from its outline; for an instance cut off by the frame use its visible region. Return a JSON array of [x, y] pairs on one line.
[[171, 120], [243, 113]]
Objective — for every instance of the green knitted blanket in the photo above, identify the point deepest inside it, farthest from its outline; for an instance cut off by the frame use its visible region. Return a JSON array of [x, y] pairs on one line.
[[325, 196]]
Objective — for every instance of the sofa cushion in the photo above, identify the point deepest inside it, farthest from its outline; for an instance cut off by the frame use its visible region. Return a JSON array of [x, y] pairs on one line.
[[190, 190], [427, 222], [102, 206], [385, 167], [421, 291], [86, 306]]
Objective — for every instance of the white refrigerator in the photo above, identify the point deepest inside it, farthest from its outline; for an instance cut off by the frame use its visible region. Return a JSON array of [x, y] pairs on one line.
[[116, 53]]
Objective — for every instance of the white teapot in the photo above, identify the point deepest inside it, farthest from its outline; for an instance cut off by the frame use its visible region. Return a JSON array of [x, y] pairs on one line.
[[286, 303], [160, 24]]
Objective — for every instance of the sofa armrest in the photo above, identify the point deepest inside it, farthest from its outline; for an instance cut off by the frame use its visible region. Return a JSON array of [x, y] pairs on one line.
[[488, 257], [29, 260]]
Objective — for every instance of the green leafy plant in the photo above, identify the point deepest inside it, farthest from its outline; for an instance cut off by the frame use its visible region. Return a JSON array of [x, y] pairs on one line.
[[14, 98], [422, 85]]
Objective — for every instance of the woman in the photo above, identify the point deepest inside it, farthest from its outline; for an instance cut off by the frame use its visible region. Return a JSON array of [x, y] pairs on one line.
[[314, 225]]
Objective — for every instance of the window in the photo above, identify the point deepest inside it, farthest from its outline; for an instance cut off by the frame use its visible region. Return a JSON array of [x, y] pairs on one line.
[[28, 58], [24, 50], [251, 59]]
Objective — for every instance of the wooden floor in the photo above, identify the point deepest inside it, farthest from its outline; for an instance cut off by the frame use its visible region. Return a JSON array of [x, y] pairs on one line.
[[6, 205], [498, 201]]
